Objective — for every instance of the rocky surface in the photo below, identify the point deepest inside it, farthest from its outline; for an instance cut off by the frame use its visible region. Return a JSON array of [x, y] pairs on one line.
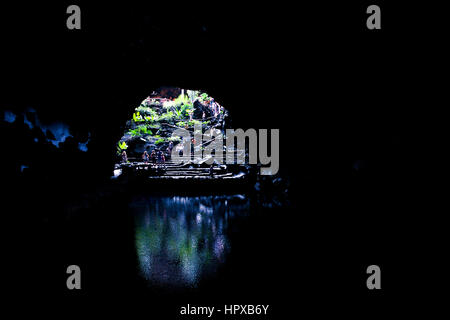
[[154, 121]]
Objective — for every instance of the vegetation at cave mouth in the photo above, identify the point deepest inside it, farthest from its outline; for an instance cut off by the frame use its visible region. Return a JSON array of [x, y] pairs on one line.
[[160, 114]]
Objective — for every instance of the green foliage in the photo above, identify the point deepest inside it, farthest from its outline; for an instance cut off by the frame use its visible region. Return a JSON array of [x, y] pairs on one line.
[[137, 117], [159, 141], [182, 99], [168, 116], [178, 114], [174, 139], [143, 109], [140, 131], [186, 109], [155, 126], [134, 132], [177, 109], [149, 114], [146, 110], [152, 118], [204, 97], [121, 146], [179, 105], [192, 123]]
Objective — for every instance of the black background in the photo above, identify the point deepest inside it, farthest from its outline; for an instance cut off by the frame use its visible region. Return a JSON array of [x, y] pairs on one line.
[[338, 92]]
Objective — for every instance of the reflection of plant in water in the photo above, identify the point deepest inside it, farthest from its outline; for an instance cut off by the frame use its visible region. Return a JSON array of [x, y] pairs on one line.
[[182, 242]]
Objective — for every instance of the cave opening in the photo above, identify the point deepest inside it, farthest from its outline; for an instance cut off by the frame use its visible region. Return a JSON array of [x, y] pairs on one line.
[[168, 129], [151, 125]]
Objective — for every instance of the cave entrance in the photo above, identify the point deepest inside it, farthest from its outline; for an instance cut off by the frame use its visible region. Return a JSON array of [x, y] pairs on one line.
[[150, 137]]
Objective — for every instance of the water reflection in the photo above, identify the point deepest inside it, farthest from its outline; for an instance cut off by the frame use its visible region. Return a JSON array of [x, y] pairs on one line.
[[181, 240]]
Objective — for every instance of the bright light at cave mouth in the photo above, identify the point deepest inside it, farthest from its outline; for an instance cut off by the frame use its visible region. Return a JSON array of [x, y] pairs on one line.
[[149, 133]]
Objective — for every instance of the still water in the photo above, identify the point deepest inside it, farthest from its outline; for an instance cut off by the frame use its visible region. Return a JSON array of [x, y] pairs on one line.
[[183, 240]]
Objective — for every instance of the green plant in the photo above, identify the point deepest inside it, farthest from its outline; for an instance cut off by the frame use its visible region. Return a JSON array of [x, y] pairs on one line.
[[174, 139], [134, 132], [145, 110], [152, 118], [159, 141], [140, 130], [204, 97], [150, 115], [194, 122], [191, 123], [154, 126], [137, 117], [178, 114], [168, 116], [121, 146], [182, 99], [186, 109], [177, 103]]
